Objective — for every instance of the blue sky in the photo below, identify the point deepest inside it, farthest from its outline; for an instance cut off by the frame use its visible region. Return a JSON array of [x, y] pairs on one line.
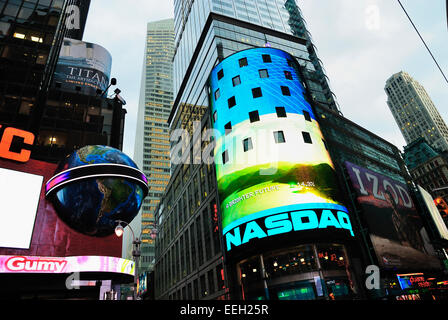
[[361, 44]]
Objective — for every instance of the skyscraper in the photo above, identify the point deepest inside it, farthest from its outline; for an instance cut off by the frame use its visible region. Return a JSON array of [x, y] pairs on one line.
[[152, 136], [219, 237], [189, 251], [414, 111]]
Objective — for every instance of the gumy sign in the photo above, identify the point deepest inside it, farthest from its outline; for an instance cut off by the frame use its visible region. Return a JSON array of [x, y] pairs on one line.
[[56, 265]]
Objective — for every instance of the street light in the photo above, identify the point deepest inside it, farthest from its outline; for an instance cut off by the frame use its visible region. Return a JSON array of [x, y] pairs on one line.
[[119, 230]]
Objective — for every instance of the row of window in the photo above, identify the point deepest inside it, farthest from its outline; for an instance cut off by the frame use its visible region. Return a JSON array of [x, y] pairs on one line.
[[279, 137], [263, 74], [254, 116], [256, 93]]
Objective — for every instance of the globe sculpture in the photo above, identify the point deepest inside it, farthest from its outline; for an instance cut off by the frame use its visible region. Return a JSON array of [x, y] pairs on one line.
[[96, 186]]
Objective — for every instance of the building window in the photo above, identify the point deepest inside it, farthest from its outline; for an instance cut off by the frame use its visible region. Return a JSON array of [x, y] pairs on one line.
[[247, 144], [266, 58], [243, 62], [279, 137], [281, 112], [307, 115], [288, 75], [236, 81], [290, 62], [254, 116], [215, 116], [217, 94], [256, 92], [231, 102], [285, 91], [307, 137], [225, 157], [220, 74], [228, 128], [263, 73]]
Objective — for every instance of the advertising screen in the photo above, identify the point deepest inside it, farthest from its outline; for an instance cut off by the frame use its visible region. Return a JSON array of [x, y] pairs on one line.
[[49, 235], [16, 214], [435, 213], [395, 226], [82, 64], [274, 173], [58, 265]]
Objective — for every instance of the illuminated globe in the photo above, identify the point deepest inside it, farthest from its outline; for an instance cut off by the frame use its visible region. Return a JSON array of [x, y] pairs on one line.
[[94, 187]]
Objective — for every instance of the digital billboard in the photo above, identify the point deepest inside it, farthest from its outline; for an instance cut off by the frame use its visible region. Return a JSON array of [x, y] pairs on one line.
[[395, 226], [51, 236], [275, 175], [83, 64], [19, 199]]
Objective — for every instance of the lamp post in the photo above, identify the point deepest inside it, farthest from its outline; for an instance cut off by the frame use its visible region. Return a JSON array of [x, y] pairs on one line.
[[119, 230]]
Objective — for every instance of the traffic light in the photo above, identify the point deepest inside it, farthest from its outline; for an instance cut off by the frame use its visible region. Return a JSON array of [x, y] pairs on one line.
[[442, 206]]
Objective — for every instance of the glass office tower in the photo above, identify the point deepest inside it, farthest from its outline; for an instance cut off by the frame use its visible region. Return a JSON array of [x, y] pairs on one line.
[[152, 136], [30, 36], [189, 256]]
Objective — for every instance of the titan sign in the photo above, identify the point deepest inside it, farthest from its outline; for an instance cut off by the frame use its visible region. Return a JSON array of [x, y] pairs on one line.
[[395, 227], [7, 138], [275, 175], [84, 65]]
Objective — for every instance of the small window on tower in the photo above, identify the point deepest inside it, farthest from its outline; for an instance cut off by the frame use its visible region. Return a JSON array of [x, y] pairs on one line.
[[307, 137], [236, 81], [288, 75], [220, 74], [254, 116], [228, 127], [256, 92], [307, 115], [285, 91], [225, 157], [263, 73], [266, 58], [247, 144], [279, 137], [231, 102], [217, 94], [243, 62], [281, 112]]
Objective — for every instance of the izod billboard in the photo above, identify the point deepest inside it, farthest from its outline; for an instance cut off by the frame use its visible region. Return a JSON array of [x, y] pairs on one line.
[[275, 177], [395, 226]]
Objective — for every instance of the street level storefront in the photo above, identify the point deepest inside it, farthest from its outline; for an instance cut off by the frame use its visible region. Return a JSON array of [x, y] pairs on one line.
[[416, 286], [305, 272], [80, 277]]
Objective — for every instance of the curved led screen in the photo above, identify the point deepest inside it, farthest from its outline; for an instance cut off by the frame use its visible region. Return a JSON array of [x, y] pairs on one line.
[[275, 175], [83, 64]]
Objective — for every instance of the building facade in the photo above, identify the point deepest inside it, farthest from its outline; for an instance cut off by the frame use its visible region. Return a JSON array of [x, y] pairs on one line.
[[189, 254], [152, 135], [428, 168], [62, 119], [414, 111], [192, 256]]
